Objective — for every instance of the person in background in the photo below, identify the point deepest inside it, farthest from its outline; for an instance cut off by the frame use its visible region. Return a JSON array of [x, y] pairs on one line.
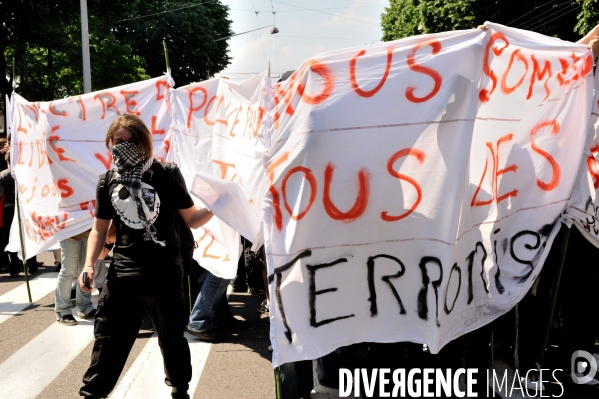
[[3, 151], [211, 316], [73, 259], [32, 263], [57, 259], [7, 195]]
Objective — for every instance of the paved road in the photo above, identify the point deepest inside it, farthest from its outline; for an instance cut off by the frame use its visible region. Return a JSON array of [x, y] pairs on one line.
[[40, 358]]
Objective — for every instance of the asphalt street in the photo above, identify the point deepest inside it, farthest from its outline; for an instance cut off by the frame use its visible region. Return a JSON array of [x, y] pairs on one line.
[[40, 358]]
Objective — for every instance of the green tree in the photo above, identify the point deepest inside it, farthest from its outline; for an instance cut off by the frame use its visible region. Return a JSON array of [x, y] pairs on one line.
[[44, 39], [189, 29], [588, 17], [412, 17], [47, 53]]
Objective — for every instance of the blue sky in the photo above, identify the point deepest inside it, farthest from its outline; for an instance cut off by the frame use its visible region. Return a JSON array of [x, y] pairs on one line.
[[306, 28]]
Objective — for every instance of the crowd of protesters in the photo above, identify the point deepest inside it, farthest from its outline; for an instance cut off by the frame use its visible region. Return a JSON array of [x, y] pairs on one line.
[[137, 203]]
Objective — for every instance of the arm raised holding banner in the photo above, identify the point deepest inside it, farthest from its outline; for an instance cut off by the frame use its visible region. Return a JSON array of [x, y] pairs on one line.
[[591, 39]]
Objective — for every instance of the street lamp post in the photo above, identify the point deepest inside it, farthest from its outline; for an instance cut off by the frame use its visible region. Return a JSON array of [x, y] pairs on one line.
[[87, 79]]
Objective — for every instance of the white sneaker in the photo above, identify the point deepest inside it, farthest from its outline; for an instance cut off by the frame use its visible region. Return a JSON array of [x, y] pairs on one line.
[[532, 385], [592, 382]]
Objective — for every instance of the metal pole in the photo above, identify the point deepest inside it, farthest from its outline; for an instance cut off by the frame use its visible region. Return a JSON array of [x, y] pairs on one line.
[[552, 300], [278, 383], [19, 208], [168, 67], [87, 78], [22, 242]]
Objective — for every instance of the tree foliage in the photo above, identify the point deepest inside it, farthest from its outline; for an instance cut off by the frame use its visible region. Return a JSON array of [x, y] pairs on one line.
[[44, 39], [189, 29], [413, 17], [588, 17]]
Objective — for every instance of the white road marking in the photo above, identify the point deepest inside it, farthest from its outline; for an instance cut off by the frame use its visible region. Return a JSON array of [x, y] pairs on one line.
[[145, 377], [17, 299], [49, 353], [27, 373]]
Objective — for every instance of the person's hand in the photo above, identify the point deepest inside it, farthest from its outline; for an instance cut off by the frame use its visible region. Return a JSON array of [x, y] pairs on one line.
[[482, 27], [594, 46], [90, 278]]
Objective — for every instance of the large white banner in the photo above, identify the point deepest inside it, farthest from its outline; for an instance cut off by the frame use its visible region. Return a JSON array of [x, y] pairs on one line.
[[219, 125], [416, 186], [405, 191], [59, 150]]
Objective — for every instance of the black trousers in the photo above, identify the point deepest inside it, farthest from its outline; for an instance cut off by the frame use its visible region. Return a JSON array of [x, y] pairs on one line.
[[120, 312], [575, 302], [576, 297], [9, 257]]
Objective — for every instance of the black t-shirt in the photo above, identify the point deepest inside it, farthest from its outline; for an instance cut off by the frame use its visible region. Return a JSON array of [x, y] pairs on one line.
[[164, 192]]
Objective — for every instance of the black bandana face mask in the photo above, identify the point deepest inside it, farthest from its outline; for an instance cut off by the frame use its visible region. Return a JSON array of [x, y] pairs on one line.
[[130, 167], [126, 155]]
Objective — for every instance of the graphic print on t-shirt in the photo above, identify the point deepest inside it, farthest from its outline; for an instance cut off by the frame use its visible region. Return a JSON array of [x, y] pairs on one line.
[[126, 207], [148, 195]]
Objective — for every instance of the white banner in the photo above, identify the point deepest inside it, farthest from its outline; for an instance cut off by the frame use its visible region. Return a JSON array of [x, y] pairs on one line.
[[219, 125], [416, 185], [407, 191], [59, 150]]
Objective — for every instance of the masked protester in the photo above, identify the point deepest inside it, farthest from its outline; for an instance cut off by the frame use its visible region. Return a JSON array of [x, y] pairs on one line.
[[141, 196]]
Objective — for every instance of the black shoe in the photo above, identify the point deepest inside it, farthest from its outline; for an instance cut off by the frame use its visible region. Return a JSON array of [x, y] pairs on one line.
[[89, 315], [236, 324], [209, 335], [67, 320], [257, 292], [264, 306], [57, 266], [179, 393]]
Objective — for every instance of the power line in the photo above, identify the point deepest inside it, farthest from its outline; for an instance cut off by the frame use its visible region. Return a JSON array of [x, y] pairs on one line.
[[575, 7], [534, 9], [167, 11], [536, 17], [323, 37], [275, 26], [240, 33], [316, 9], [335, 38], [560, 8], [327, 13], [258, 24]]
